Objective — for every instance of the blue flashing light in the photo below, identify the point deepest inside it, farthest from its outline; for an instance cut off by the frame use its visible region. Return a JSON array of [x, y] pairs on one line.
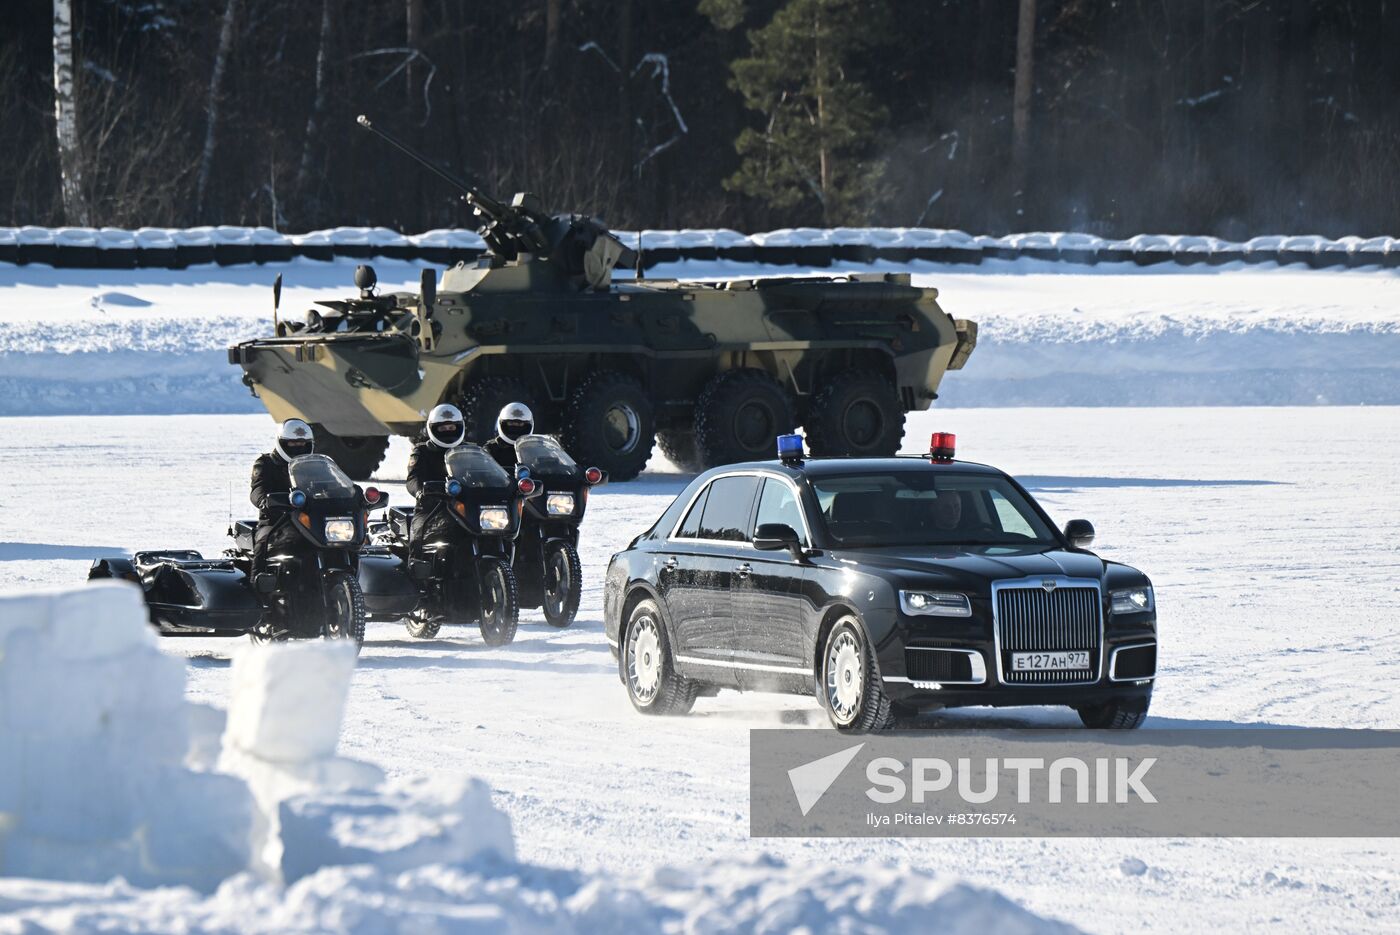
[[790, 447], [297, 498], [454, 487], [521, 471]]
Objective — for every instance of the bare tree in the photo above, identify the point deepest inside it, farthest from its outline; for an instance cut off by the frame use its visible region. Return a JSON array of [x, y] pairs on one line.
[[1021, 102], [318, 109], [216, 82], [65, 108]]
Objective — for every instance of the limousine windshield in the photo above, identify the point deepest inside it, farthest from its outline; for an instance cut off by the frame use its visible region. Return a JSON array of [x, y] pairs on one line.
[[921, 507]]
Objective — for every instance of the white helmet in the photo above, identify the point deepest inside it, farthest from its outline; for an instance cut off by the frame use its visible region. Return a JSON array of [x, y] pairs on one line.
[[295, 439], [514, 423], [446, 427]]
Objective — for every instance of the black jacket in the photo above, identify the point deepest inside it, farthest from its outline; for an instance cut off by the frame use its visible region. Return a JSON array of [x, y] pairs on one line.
[[425, 463], [503, 452], [270, 476]]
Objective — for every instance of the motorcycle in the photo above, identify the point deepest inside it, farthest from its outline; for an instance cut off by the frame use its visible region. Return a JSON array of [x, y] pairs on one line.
[[308, 588], [546, 552], [462, 573]]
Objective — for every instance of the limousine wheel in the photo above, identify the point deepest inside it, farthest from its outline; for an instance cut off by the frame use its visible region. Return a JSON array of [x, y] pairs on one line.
[[852, 692], [1118, 715], [652, 682]]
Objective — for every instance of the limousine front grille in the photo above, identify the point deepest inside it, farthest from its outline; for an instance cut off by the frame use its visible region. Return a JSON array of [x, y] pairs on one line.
[[1047, 615]]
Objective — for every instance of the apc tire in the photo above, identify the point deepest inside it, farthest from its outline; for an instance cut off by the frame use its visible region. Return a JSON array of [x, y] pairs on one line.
[[563, 581], [1115, 715], [855, 413], [678, 445], [482, 400], [500, 602], [739, 415], [357, 455], [610, 424], [345, 610], [653, 685], [849, 686]]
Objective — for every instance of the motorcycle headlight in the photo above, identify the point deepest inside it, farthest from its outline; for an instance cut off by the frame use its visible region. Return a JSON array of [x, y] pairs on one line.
[[1133, 601], [935, 604], [494, 518], [340, 529], [560, 504]]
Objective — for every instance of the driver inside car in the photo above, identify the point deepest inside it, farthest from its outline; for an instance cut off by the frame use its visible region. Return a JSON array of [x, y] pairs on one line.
[[271, 477], [444, 430]]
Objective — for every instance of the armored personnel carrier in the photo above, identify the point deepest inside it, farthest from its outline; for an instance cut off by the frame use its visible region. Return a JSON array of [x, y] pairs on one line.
[[713, 371]]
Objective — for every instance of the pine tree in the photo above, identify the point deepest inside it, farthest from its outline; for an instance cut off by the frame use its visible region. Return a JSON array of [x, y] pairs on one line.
[[813, 150]]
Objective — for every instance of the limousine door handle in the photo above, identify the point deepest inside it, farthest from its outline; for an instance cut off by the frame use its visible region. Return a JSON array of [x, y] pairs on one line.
[[744, 570], [671, 564]]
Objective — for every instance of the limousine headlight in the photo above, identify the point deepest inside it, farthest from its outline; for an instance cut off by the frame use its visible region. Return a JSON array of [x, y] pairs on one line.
[[494, 518], [1132, 600], [935, 604]]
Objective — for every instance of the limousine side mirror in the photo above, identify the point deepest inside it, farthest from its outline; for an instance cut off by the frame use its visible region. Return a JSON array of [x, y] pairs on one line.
[[770, 537], [1080, 533]]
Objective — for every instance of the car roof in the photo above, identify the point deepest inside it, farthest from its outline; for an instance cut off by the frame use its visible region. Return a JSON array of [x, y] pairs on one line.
[[836, 467]]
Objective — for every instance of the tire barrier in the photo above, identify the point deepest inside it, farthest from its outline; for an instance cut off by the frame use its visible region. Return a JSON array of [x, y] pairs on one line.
[[165, 248]]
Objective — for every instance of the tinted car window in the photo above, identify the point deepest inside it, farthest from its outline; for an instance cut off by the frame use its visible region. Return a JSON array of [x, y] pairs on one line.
[[778, 504], [917, 507], [727, 509], [690, 526]]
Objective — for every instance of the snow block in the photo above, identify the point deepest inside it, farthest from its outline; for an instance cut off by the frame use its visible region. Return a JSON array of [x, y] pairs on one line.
[[288, 700], [395, 831]]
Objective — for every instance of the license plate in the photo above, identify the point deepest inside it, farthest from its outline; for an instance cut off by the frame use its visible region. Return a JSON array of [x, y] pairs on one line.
[[1049, 662]]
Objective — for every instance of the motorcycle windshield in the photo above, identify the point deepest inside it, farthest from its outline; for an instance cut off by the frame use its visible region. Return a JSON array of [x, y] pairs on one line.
[[471, 466], [545, 457], [320, 478]]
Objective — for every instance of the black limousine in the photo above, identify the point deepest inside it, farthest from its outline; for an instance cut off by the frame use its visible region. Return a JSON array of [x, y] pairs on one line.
[[884, 587]]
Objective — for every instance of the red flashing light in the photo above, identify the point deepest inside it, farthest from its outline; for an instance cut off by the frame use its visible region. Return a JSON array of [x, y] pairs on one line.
[[526, 485], [593, 475], [372, 495], [942, 446]]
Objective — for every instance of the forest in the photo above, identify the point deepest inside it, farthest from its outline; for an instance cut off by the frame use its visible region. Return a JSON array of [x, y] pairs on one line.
[[1112, 117]]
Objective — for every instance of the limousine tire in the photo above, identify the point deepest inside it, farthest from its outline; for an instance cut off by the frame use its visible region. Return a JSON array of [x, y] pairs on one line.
[[653, 685], [1115, 715], [851, 689]]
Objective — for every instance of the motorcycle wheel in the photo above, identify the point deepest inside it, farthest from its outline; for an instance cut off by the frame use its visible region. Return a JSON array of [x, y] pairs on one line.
[[421, 628], [345, 609], [563, 576], [500, 602]]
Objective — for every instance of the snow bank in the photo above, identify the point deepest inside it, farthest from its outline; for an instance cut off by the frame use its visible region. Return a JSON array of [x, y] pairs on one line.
[[110, 772], [94, 732]]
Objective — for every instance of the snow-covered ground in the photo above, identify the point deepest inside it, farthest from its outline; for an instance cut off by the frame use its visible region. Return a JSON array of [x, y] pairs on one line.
[[153, 341], [1269, 533]]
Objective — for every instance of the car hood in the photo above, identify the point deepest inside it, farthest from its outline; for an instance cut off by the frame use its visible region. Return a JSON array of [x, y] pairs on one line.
[[972, 567]]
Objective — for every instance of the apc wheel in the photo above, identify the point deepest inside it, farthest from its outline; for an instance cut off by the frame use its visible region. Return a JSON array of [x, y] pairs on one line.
[[678, 445], [421, 628], [855, 413], [610, 424], [653, 685], [345, 609], [357, 455], [1115, 715], [563, 579], [851, 690], [739, 415], [483, 398], [500, 602]]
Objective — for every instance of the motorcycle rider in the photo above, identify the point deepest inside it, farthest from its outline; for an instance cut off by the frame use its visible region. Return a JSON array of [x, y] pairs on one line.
[[514, 423], [271, 476], [444, 430]]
